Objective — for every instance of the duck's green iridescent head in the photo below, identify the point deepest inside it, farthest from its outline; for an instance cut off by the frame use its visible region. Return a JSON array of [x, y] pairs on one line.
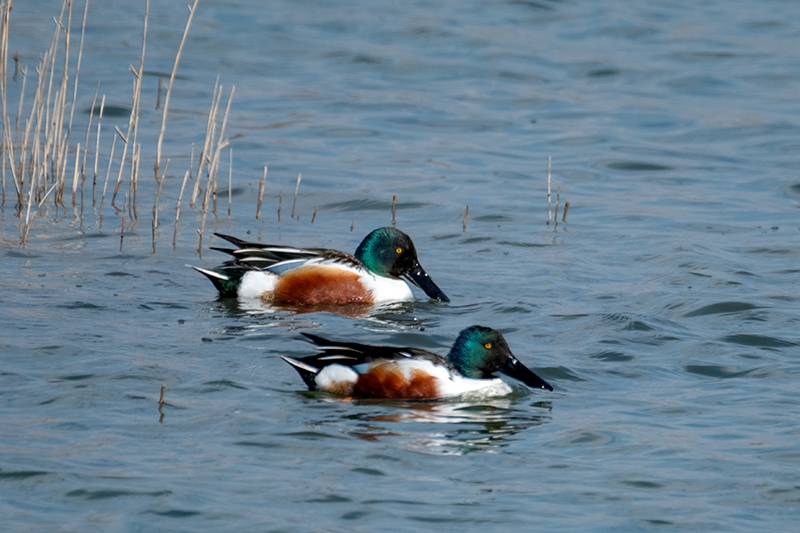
[[480, 352], [390, 253]]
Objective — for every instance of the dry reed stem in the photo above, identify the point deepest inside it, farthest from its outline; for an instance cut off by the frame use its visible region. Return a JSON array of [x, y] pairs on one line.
[[27, 227], [19, 108], [261, 184], [59, 136], [296, 188], [352, 225], [130, 197], [121, 165], [169, 90], [155, 204], [464, 223], [394, 203], [314, 216], [75, 177], [133, 126], [221, 144], [178, 209], [4, 20], [14, 171], [122, 223], [77, 72], [211, 163], [209, 139], [230, 181], [108, 173], [280, 203], [134, 120], [86, 144], [8, 151], [37, 167], [32, 124], [97, 150], [558, 200], [44, 115], [566, 208], [21, 98]]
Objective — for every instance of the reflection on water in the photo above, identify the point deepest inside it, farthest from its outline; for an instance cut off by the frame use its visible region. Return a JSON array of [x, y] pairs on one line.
[[448, 427], [258, 315]]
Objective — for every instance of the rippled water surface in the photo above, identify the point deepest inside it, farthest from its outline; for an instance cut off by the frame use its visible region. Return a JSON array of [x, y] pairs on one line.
[[665, 310]]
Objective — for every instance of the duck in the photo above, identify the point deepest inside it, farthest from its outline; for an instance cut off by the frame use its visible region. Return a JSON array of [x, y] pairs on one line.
[[350, 369], [278, 274]]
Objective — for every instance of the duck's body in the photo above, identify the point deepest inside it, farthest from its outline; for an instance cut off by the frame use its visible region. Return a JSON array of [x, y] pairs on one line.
[[319, 276], [369, 371]]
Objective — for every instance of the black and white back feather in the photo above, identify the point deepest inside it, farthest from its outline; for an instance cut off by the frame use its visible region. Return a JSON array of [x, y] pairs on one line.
[[267, 256]]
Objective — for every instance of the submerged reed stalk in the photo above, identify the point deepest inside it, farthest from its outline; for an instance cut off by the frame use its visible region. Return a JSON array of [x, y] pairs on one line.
[[314, 216], [464, 224], [394, 203]]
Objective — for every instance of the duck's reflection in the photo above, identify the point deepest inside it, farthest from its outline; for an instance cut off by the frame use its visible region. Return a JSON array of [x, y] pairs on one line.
[[257, 315], [450, 427]]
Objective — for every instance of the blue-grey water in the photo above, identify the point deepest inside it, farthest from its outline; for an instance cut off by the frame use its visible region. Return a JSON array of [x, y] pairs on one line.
[[665, 310]]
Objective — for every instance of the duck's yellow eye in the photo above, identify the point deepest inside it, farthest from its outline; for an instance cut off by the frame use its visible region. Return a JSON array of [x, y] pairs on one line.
[[399, 250], [488, 345]]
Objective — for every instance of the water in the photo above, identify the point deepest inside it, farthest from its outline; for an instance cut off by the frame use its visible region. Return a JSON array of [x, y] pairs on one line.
[[665, 310]]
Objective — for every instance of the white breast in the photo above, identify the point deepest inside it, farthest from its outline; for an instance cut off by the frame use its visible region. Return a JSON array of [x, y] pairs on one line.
[[337, 379], [386, 289], [256, 282]]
